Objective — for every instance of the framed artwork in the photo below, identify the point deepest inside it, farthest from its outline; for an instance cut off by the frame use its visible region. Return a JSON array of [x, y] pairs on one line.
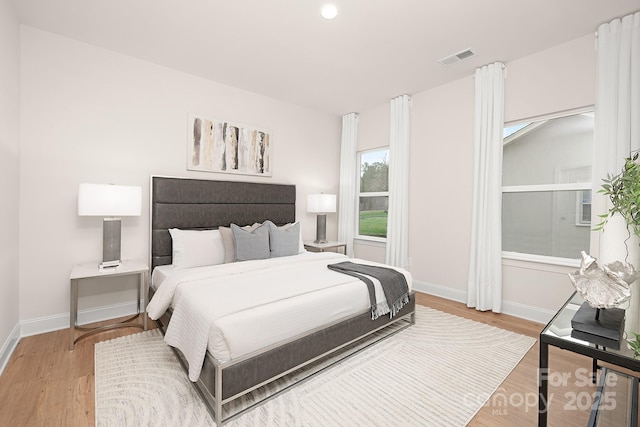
[[218, 146]]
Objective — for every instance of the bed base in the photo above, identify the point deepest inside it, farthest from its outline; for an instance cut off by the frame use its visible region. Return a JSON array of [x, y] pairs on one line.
[[316, 350]]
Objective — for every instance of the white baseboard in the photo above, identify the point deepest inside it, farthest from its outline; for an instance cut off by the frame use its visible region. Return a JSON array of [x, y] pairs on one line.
[[440, 291], [61, 321], [42, 325], [522, 311], [9, 347], [535, 314]]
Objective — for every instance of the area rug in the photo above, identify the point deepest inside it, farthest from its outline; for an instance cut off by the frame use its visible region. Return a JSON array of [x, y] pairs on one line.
[[440, 371]]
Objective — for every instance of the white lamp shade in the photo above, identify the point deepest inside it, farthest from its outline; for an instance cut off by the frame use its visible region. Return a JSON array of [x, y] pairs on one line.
[[109, 200], [321, 203]]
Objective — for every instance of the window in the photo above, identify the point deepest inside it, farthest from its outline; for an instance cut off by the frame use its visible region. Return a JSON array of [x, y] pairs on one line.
[[373, 193], [546, 193], [583, 210]]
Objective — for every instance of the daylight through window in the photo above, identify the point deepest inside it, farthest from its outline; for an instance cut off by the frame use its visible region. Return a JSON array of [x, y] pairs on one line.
[[546, 178], [373, 193]]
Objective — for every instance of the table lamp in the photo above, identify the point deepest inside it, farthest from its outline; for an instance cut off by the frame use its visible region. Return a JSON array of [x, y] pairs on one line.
[[110, 202], [321, 204]]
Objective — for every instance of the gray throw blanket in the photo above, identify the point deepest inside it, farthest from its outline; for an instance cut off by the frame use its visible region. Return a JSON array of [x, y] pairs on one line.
[[394, 285]]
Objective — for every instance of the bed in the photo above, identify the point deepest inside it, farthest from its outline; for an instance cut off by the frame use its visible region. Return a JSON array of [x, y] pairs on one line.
[[243, 350]]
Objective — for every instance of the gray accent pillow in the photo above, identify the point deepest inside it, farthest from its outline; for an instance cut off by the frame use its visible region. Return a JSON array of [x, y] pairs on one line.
[[251, 244], [227, 241], [284, 241]]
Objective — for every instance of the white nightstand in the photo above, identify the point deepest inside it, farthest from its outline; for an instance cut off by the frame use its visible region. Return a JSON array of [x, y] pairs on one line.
[[89, 271], [322, 247]]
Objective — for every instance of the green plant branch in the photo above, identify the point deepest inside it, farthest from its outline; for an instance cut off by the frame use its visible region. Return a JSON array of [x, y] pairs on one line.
[[623, 190]]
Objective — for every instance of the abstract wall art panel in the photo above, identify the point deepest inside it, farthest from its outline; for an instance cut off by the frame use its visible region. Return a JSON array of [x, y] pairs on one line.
[[218, 146]]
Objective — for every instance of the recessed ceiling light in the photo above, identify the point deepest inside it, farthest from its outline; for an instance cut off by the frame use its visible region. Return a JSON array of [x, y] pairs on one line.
[[329, 11]]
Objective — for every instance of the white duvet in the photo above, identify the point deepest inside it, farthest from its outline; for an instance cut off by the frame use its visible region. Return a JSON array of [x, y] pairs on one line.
[[235, 309]]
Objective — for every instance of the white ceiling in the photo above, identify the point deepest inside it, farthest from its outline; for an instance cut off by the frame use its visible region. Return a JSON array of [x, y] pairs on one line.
[[373, 51]]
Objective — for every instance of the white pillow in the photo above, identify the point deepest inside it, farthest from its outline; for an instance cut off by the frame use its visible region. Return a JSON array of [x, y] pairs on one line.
[[195, 248]]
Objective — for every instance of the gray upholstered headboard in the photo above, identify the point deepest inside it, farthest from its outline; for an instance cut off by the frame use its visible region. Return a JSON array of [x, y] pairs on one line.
[[204, 204]]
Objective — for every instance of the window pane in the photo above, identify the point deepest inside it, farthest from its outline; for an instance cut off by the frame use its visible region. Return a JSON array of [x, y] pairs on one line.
[[584, 207], [374, 171], [554, 151], [373, 216], [545, 223]]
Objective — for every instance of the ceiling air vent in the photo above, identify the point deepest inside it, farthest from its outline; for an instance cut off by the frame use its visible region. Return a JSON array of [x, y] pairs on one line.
[[457, 57]]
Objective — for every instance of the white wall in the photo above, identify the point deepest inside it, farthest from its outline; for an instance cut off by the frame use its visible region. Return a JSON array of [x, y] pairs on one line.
[[373, 132], [441, 183], [554, 80], [9, 177], [92, 115], [558, 79]]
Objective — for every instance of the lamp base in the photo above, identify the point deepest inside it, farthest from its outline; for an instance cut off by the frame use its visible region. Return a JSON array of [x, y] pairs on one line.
[[321, 229], [110, 264], [111, 242]]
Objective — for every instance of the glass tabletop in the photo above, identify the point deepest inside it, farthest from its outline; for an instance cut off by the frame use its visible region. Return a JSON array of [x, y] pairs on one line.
[[559, 329]]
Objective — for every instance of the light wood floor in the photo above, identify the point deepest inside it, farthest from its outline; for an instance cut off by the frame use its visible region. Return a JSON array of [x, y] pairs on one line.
[[45, 384]]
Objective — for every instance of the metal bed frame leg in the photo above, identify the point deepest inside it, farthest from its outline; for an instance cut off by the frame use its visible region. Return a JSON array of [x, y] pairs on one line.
[[218, 397]]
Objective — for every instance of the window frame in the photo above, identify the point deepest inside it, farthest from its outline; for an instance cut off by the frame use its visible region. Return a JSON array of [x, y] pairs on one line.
[[579, 187], [359, 194]]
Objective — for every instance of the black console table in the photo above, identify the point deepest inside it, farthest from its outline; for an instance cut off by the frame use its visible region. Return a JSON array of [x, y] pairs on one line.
[[558, 333]]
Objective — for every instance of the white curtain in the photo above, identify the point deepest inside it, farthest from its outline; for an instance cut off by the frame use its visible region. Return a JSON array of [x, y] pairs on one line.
[[398, 219], [348, 181], [617, 112], [485, 263], [616, 135]]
